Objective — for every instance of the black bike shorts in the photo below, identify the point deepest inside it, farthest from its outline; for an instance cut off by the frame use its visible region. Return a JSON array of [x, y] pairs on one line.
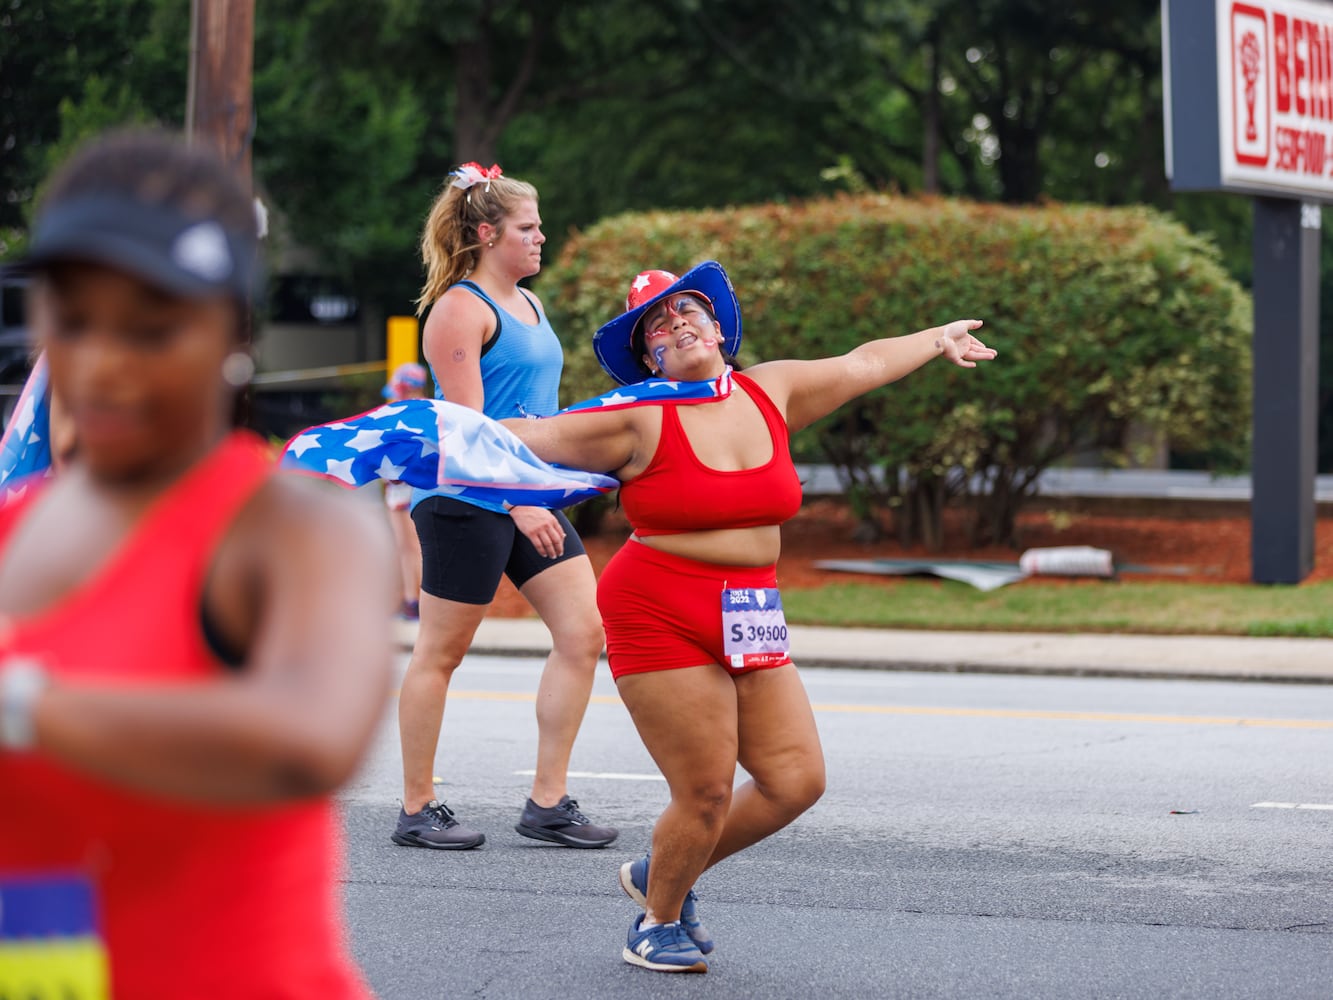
[[465, 548]]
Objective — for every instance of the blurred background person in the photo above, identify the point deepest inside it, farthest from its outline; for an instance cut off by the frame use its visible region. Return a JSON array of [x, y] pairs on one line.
[[408, 381], [188, 668]]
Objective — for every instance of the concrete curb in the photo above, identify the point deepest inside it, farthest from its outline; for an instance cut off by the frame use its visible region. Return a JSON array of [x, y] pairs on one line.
[[1167, 657]]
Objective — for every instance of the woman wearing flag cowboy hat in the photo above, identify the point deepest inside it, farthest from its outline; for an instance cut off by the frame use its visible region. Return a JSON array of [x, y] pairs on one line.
[[695, 634]]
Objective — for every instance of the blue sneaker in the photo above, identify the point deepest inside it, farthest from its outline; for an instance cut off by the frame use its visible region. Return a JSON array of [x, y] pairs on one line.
[[663, 948], [634, 880]]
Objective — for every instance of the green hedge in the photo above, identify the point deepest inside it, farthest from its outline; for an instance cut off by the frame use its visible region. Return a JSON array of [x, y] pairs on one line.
[[1103, 317]]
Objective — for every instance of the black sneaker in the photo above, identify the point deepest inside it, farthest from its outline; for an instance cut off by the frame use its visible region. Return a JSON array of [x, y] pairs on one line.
[[562, 823], [435, 827]]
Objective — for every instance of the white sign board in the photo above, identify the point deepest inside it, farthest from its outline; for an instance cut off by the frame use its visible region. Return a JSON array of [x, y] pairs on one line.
[[1275, 96]]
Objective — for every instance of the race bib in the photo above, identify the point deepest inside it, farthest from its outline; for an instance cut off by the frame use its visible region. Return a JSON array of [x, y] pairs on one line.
[[754, 630], [49, 945]]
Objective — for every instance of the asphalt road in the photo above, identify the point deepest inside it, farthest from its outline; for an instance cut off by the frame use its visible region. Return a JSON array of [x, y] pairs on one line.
[[982, 836]]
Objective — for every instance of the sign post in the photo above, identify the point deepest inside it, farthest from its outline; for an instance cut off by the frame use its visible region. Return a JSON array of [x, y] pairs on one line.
[[401, 342], [1248, 88]]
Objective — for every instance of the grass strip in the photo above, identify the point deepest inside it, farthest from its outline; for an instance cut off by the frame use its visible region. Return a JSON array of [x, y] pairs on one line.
[[1071, 606]]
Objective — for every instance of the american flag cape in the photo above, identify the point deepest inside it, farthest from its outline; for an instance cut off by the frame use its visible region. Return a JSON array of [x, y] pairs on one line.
[[452, 449], [25, 446], [656, 391]]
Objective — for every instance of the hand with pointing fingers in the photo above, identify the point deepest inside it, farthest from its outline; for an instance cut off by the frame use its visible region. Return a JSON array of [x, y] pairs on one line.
[[960, 347]]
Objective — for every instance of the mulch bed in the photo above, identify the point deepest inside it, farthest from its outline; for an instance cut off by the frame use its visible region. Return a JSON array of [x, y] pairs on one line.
[[1199, 548]]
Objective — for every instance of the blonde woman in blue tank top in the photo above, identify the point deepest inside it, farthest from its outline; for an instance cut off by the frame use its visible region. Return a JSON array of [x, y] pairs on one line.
[[489, 346]]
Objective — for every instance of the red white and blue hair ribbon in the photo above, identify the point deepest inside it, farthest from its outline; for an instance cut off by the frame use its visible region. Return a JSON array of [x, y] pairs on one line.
[[474, 173]]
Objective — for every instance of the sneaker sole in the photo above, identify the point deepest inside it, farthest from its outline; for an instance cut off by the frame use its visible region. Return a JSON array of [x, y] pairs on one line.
[[633, 958], [627, 884], [564, 839], [411, 840]]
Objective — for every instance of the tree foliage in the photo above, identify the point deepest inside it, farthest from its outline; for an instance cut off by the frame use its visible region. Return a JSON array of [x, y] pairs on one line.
[[612, 106], [71, 68]]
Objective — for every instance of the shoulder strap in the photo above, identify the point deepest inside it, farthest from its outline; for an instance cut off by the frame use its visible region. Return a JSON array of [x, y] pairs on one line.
[[777, 423], [532, 302], [476, 290]]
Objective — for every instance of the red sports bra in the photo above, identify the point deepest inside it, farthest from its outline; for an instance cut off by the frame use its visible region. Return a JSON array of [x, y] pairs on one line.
[[677, 493]]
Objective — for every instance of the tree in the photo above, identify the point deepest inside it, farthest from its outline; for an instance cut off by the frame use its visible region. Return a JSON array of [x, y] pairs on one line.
[[69, 68]]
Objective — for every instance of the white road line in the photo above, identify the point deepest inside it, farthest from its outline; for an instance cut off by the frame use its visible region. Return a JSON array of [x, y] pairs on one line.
[[1292, 805], [610, 775], [974, 713]]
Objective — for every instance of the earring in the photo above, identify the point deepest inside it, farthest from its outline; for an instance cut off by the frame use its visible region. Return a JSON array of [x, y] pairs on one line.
[[491, 243], [238, 368]]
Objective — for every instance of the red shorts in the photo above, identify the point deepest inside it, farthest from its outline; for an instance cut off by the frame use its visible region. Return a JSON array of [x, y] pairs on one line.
[[664, 612]]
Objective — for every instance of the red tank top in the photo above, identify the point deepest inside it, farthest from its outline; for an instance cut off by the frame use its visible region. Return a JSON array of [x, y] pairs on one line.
[[195, 901], [677, 493]]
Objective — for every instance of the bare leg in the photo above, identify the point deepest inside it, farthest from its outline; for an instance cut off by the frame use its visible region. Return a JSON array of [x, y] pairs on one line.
[[446, 632], [779, 747], [566, 598], [687, 720], [409, 552]]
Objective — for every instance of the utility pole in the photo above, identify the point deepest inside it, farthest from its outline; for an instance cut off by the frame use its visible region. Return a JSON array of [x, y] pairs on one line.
[[219, 110]]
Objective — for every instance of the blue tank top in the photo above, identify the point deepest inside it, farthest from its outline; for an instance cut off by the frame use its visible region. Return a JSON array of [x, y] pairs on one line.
[[520, 372]]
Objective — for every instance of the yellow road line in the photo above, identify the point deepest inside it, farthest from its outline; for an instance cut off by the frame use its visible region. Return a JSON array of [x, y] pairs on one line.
[[978, 713]]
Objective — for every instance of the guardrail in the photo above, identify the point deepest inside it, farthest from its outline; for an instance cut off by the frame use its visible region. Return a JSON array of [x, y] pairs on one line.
[[1144, 484], [822, 480]]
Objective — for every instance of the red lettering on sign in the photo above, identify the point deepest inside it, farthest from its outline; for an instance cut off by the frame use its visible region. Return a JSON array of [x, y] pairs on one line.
[[1281, 47], [1300, 150], [1316, 66], [1326, 71], [1284, 140], [1297, 64]]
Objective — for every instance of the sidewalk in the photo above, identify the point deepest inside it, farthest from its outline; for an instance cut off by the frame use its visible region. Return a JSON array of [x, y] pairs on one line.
[[1304, 661]]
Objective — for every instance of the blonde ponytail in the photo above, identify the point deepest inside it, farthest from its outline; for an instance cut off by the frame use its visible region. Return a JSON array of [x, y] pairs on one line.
[[450, 247]]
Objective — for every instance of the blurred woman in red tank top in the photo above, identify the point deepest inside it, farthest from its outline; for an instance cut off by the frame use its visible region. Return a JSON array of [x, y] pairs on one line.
[[188, 668]]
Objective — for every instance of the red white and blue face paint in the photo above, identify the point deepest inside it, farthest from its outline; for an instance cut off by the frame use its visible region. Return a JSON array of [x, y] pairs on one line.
[[659, 321], [679, 322]]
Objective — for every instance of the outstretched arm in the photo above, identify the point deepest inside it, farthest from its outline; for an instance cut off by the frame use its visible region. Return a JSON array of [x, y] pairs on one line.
[[809, 390], [597, 442]]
